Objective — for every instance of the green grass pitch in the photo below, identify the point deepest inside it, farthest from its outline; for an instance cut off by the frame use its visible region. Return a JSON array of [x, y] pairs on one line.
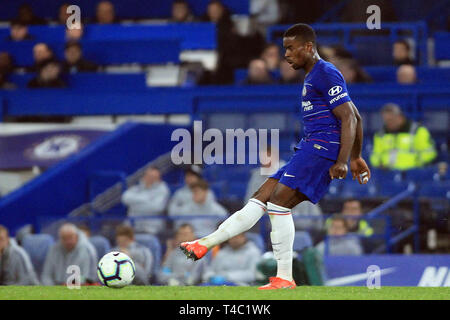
[[222, 293]]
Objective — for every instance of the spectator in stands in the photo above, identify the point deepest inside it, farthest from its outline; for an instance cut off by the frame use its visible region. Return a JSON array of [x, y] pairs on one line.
[[74, 61], [184, 195], [264, 12], [141, 255], [271, 55], [42, 53], [85, 229], [353, 213], [256, 177], [15, 264], [401, 144], [309, 217], [6, 68], [74, 35], [27, 16], [258, 73], [62, 14], [181, 12], [49, 76], [148, 198], [200, 205], [19, 31], [351, 71], [288, 75], [234, 264], [406, 74], [105, 13], [176, 269], [73, 248], [401, 53], [339, 242]]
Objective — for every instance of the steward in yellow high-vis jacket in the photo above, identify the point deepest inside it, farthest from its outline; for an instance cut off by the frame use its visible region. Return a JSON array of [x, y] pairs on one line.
[[401, 144]]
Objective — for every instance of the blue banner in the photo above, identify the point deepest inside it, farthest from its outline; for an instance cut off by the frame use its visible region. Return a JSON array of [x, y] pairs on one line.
[[43, 149], [394, 270]]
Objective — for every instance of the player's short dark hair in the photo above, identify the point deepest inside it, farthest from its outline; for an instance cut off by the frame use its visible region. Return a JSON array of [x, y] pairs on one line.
[[301, 31]]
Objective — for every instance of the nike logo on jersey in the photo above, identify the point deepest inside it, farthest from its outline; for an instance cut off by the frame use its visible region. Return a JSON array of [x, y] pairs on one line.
[[288, 175]]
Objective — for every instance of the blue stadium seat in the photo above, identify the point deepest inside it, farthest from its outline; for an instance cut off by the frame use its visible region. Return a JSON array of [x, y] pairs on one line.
[[302, 241], [352, 189], [101, 245], [37, 246], [153, 244], [420, 175], [391, 188], [387, 175], [257, 239], [435, 189]]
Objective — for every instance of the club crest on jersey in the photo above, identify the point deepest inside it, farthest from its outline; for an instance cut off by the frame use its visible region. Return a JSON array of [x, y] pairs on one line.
[[335, 90], [304, 91]]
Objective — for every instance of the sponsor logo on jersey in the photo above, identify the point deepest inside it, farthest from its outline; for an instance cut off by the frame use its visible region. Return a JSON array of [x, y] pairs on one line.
[[342, 95], [334, 91], [307, 106]]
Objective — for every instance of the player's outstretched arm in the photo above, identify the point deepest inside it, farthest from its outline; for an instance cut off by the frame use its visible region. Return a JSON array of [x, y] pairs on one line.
[[346, 115], [358, 166]]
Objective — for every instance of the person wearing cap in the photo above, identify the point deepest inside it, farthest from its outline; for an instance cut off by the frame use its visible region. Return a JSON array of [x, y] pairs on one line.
[[401, 144], [184, 195]]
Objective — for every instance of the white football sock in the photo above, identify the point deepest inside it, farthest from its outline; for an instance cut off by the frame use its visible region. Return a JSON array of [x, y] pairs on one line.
[[282, 236], [237, 223]]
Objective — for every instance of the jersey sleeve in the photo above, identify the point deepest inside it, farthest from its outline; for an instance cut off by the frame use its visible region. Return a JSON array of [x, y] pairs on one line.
[[332, 86]]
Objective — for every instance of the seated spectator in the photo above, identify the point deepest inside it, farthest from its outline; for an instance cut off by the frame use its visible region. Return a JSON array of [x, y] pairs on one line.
[[181, 12], [6, 68], [184, 194], [351, 71], [288, 75], [339, 242], [62, 14], [353, 213], [19, 32], [200, 205], [406, 74], [49, 76], [74, 35], [258, 73], [304, 210], [148, 198], [265, 12], [74, 61], [271, 55], [401, 53], [234, 264], [105, 13], [176, 269], [41, 55], [27, 16], [15, 264], [73, 248], [401, 144], [256, 176], [141, 255]]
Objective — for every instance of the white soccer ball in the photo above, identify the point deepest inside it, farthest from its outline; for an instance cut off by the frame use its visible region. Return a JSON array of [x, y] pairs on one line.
[[116, 270]]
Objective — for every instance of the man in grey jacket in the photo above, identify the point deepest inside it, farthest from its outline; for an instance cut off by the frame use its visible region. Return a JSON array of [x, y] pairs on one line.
[[234, 264], [71, 249], [176, 269], [200, 205], [148, 198], [340, 242], [141, 255], [15, 264]]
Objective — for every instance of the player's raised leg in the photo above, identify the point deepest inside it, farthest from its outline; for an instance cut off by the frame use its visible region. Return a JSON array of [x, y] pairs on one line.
[[279, 206], [237, 223]]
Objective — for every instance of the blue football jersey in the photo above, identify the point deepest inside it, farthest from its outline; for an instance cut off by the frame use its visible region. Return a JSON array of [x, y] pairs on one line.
[[324, 89]]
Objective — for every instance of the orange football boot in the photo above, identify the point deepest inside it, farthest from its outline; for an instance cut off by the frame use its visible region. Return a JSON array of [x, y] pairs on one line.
[[193, 250], [278, 283]]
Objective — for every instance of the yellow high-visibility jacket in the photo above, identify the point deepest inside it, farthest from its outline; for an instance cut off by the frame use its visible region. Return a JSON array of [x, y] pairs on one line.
[[407, 149]]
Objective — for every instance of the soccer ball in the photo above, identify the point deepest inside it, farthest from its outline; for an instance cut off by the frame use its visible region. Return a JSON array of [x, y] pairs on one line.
[[116, 270]]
